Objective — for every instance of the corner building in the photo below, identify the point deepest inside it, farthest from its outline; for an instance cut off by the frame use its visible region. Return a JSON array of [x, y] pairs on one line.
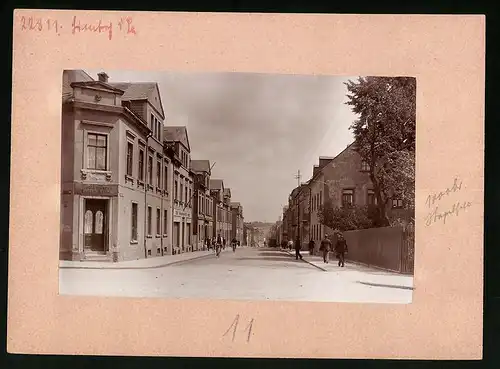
[[115, 177]]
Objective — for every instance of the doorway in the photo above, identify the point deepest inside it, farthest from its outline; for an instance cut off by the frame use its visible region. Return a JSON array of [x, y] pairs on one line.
[[95, 226]]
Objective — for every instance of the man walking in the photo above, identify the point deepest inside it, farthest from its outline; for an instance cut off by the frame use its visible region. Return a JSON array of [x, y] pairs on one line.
[[311, 247], [341, 248], [218, 245], [297, 250], [326, 246]]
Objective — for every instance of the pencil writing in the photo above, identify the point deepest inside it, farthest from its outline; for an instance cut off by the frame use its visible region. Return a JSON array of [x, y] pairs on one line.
[[234, 327]]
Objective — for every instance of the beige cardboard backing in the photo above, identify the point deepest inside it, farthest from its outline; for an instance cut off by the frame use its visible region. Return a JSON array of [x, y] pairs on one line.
[[444, 53]]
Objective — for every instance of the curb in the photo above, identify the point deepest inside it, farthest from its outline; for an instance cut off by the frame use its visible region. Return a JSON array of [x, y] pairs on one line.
[[139, 267], [387, 285], [308, 262]]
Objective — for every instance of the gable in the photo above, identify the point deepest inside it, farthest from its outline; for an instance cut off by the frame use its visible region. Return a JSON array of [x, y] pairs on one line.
[[155, 99]]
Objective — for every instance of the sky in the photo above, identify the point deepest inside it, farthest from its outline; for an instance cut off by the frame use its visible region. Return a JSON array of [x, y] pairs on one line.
[[258, 129]]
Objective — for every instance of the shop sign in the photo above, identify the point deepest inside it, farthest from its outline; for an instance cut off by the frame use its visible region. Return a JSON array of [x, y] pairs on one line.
[[96, 189]]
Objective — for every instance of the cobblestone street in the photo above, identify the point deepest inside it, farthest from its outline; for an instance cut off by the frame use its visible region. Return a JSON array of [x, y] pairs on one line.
[[248, 274]]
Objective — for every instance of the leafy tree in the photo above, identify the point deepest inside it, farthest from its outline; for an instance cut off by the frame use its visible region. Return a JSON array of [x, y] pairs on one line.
[[385, 136], [346, 218]]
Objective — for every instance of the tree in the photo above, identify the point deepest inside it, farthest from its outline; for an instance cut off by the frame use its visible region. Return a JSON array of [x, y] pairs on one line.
[[385, 136]]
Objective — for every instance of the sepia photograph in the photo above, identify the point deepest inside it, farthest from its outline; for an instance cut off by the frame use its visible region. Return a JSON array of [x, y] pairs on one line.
[[242, 186]]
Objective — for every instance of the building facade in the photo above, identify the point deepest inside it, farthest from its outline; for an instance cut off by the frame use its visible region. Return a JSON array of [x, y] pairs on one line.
[[177, 142], [344, 181], [203, 221], [237, 222], [227, 216], [113, 204]]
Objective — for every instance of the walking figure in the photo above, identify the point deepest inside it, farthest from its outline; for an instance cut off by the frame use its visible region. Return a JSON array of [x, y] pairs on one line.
[[341, 248], [326, 246], [311, 247], [297, 250], [233, 243], [218, 245]]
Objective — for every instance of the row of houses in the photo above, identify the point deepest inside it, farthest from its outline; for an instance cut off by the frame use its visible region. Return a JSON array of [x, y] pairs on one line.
[[345, 181], [130, 189]]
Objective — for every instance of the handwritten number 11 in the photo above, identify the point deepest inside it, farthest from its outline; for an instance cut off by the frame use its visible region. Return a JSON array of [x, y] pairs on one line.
[[234, 326]]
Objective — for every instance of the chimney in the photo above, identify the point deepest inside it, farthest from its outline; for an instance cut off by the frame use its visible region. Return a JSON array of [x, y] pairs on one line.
[[315, 170], [324, 160], [103, 77]]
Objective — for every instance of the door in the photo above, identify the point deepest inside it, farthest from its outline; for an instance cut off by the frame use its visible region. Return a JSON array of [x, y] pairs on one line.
[[95, 226]]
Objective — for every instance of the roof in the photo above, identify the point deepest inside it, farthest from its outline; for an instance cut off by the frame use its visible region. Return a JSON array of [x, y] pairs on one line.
[[216, 184], [331, 160], [135, 91], [176, 134], [235, 204], [200, 166], [138, 91]]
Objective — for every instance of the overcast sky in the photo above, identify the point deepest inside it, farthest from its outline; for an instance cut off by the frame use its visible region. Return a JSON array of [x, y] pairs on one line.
[[259, 129]]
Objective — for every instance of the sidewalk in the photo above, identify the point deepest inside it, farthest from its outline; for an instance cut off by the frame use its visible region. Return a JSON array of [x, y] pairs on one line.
[[359, 273], [152, 262]]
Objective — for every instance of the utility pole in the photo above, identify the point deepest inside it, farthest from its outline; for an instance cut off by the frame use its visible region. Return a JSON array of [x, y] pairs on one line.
[[298, 177]]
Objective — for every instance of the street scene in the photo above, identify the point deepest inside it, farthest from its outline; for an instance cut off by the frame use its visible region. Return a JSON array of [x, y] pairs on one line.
[[171, 184], [247, 274]]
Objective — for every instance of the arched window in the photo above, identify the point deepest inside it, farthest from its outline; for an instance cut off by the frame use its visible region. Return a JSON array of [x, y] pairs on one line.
[[88, 221], [99, 218]]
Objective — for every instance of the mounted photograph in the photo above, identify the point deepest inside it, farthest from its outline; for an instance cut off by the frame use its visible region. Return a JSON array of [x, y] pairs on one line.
[[238, 186]]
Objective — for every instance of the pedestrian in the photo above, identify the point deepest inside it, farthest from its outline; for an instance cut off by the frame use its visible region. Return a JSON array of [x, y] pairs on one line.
[[325, 247], [341, 248], [233, 243], [297, 250], [218, 245], [290, 244], [311, 247]]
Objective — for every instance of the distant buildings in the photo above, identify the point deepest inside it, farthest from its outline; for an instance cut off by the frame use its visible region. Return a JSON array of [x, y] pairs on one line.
[[129, 188]]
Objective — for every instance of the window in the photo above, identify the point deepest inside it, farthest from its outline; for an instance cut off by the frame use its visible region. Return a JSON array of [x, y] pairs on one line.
[[141, 165], [188, 232], [181, 191], [165, 179], [165, 221], [133, 236], [397, 203], [150, 170], [150, 221], [130, 157], [176, 191], [158, 222], [152, 122], [371, 199], [158, 174], [347, 198], [365, 167], [97, 145]]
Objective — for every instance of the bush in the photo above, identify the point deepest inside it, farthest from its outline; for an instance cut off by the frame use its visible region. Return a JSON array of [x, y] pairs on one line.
[[348, 219]]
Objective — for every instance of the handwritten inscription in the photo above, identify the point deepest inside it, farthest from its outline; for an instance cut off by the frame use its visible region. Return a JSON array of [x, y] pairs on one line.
[[436, 215], [439, 215], [234, 327], [436, 197], [79, 26]]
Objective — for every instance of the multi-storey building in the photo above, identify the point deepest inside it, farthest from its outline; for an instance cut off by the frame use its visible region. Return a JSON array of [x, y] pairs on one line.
[[344, 181], [202, 207], [176, 140], [217, 194], [227, 217], [237, 222], [115, 201]]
